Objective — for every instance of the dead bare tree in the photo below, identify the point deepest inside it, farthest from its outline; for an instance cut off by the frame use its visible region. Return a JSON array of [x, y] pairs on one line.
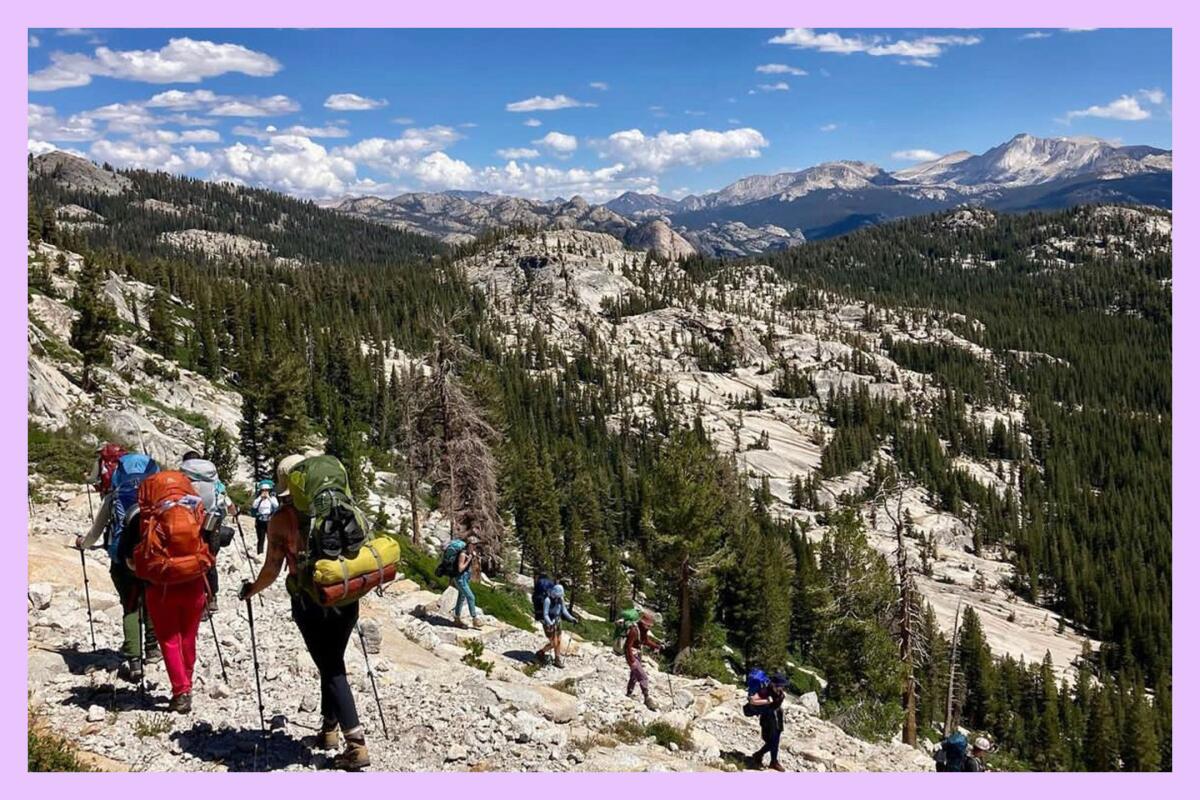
[[913, 647], [456, 452]]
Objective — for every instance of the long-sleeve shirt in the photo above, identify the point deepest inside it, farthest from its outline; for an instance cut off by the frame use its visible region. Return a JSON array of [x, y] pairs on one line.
[[560, 607], [265, 507], [103, 518]]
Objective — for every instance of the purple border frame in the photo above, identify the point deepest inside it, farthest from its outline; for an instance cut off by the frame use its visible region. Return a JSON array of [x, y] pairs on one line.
[[17, 17]]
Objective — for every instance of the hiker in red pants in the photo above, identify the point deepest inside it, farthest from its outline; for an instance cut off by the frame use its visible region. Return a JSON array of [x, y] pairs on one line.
[[163, 542]]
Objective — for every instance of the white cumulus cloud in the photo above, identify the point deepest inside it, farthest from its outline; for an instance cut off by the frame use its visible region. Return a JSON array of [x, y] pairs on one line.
[[181, 60], [293, 164], [348, 101], [561, 144], [693, 148], [1125, 108], [511, 153], [917, 154], [539, 103], [273, 106], [923, 47], [395, 157], [779, 69], [599, 86]]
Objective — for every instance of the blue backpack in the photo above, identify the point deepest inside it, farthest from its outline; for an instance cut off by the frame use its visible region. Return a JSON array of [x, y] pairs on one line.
[[952, 755], [756, 679], [541, 590], [131, 470]]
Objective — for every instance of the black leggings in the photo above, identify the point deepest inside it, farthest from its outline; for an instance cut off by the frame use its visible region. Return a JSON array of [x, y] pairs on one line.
[[260, 531], [326, 632]]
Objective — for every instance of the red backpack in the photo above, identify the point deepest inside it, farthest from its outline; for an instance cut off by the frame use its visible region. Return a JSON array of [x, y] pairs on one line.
[[172, 548], [109, 457]]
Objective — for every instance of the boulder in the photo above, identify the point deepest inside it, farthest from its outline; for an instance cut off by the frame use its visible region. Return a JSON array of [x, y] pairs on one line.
[[809, 704], [372, 636], [40, 595], [96, 714]]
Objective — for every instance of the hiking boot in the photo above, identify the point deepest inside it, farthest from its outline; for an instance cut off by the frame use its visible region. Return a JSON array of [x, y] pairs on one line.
[[132, 670], [181, 703], [459, 623], [476, 624], [756, 760], [650, 704], [775, 765], [153, 655], [558, 662], [327, 738], [354, 757]]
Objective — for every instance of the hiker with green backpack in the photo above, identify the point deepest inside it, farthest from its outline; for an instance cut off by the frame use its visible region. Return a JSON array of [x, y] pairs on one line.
[[332, 561], [458, 557], [638, 635]]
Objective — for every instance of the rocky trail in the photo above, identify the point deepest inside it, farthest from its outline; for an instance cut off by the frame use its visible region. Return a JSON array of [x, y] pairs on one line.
[[441, 713]]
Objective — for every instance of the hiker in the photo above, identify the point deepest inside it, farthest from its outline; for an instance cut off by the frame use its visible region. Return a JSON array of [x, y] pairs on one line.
[[766, 702], [107, 459], [117, 507], [462, 582], [639, 635], [551, 611], [977, 761], [217, 505], [325, 630], [264, 507], [163, 542]]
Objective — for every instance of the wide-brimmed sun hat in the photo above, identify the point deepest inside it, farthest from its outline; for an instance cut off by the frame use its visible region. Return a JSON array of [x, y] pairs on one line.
[[285, 466]]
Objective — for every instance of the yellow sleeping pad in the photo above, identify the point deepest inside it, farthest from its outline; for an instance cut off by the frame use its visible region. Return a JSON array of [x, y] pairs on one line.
[[375, 555]]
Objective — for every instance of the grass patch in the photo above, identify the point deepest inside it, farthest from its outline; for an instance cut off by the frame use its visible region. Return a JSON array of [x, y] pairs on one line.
[[704, 663], [532, 668], [503, 602], [49, 752], [192, 418], [152, 725], [667, 734], [628, 731], [566, 686]]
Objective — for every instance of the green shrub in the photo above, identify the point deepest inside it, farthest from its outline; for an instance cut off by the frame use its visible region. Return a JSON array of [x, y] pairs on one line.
[[474, 657], [703, 663], [626, 730], [867, 718], [49, 752], [62, 455], [802, 682], [667, 734]]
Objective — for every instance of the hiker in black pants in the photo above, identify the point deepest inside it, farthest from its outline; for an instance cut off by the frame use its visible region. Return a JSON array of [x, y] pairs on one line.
[[770, 719], [326, 631]]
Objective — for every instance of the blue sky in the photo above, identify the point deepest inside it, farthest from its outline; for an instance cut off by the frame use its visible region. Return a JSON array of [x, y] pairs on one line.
[[544, 113]]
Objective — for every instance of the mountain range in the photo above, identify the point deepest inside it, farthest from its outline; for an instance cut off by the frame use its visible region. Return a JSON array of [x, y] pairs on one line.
[[768, 212]]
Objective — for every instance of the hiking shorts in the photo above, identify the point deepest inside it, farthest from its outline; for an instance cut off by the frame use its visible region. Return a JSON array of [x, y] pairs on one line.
[[552, 630]]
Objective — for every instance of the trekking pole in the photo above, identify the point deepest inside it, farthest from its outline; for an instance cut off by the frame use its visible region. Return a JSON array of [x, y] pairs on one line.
[[249, 559], [91, 512], [217, 642], [371, 674], [87, 596], [254, 654], [142, 646]]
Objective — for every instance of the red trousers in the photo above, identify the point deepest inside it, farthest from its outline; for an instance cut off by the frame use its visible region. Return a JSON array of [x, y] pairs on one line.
[[176, 612]]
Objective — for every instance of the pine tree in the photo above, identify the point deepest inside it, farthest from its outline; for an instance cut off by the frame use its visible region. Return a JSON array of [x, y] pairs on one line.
[[1102, 751], [97, 318]]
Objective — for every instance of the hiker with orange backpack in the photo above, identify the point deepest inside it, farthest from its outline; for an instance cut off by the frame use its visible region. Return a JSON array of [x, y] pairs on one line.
[[118, 507], [317, 521], [163, 543]]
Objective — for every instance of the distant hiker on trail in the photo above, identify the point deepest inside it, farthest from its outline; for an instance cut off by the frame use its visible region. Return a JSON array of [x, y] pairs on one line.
[[118, 506], [639, 635], [977, 761], [264, 507], [457, 560], [326, 630], [217, 505], [765, 700], [951, 755], [163, 543], [551, 611]]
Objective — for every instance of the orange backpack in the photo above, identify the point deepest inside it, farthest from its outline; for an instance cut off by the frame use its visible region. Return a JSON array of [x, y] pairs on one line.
[[172, 548]]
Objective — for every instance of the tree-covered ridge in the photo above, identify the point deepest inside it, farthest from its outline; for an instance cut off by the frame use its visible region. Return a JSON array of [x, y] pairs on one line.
[[636, 499]]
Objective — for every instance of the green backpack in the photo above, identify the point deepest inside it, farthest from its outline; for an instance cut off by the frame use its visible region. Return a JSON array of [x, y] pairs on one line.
[[625, 620], [320, 490]]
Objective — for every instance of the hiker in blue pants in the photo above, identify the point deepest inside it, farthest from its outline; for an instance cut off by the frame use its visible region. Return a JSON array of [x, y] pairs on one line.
[[462, 582]]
